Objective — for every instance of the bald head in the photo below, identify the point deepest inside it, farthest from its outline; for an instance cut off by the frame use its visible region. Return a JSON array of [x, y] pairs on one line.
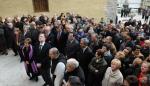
[[53, 53], [147, 43]]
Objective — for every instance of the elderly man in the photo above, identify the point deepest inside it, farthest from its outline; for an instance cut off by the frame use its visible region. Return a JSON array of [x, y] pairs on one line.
[[73, 69], [58, 62], [94, 45], [146, 48], [84, 55], [72, 46], [50, 35], [108, 40], [61, 39]]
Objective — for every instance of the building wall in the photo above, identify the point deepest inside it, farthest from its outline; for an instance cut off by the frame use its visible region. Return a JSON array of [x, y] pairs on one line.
[[15, 7], [94, 8], [145, 3], [83, 7]]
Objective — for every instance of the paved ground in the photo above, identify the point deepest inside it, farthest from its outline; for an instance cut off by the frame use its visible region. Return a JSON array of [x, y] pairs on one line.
[[12, 72], [136, 16]]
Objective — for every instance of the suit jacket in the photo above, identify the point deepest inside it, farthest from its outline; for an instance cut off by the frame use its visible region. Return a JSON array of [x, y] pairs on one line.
[[34, 34], [51, 39], [42, 56], [61, 42], [84, 58], [71, 48]]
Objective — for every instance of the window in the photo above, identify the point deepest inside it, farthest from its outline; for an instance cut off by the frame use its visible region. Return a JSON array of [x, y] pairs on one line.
[[40, 5]]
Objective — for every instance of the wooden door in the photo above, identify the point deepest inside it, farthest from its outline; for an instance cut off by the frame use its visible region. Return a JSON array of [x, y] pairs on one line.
[[40, 5]]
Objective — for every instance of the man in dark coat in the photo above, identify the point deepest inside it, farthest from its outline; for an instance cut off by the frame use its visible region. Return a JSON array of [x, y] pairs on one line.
[[84, 56], [3, 46], [146, 48], [42, 59], [94, 45], [58, 65], [10, 37], [97, 69], [72, 46], [61, 39], [34, 33], [50, 35]]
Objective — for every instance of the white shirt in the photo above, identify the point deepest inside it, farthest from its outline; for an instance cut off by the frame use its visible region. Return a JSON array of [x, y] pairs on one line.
[[59, 72], [84, 49], [42, 44]]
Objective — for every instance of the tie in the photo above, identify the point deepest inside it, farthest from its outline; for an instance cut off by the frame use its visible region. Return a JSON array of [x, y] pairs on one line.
[[58, 36], [40, 48], [83, 50]]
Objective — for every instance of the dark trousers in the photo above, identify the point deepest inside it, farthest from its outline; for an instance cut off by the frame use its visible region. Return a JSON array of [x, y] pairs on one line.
[[30, 72], [15, 48], [46, 76]]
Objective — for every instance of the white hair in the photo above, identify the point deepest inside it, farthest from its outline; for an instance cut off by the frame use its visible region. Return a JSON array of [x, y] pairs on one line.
[[85, 40], [73, 61], [91, 31]]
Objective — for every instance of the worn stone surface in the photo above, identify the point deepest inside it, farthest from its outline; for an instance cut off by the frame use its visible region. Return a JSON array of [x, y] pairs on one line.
[[12, 72]]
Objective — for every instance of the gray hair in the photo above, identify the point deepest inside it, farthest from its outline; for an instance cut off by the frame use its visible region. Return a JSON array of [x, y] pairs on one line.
[[73, 61], [85, 40]]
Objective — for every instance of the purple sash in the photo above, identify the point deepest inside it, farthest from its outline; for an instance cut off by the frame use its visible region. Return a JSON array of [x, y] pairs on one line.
[[33, 64]]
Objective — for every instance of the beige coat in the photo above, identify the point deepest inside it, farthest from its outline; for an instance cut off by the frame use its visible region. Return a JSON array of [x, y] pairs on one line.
[[112, 78]]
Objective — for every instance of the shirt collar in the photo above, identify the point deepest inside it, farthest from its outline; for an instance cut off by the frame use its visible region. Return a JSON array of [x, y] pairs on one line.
[[42, 43], [84, 49]]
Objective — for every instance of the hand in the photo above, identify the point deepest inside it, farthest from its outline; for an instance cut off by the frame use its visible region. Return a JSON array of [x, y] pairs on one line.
[[38, 65], [27, 62]]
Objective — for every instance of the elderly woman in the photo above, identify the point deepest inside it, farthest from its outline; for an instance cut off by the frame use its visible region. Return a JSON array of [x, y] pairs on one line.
[[73, 69], [97, 69], [27, 55], [113, 76], [145, 70]]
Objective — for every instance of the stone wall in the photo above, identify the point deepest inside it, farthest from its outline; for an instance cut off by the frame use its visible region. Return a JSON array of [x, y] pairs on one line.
[[94, 8]]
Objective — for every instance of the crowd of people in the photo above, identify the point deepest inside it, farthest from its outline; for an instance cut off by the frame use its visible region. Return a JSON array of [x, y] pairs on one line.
[[71, 50], [145, 13], [125, 12]]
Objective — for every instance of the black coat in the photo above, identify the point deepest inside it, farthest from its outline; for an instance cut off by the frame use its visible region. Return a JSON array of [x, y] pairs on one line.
[[3, 45], [145, 51], [10, 36], [77, 72], [94, 46], [34, 34], [84, 59], [51, 39], [95, 78], [72, 48], [42, 57], [61, 42]]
